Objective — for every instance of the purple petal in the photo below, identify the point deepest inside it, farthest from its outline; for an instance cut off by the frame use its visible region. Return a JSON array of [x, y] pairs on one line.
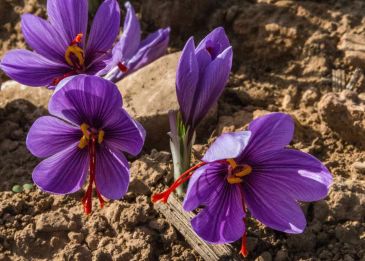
[[49, 135], [216, 42], [272, 206], [129, 42], [187, 77], [64, 172], [204, 59], [296, 174], [212, 84], [30, 68], [112, 173], [151, 48], [86, 99], [69, 17], [204, 184], [270, 132], [124, 134], [222, 219], [104, 29], [43, 38], [227, 146]]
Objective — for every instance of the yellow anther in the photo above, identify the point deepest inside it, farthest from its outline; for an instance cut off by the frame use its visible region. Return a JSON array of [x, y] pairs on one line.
[[85, 130], [83, 142], [101, 136], [234, 180], [78, 52], [232, 163], [247, 169]]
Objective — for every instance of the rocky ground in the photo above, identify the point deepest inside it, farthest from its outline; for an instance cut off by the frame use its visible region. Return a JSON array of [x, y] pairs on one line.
[[305, 58]]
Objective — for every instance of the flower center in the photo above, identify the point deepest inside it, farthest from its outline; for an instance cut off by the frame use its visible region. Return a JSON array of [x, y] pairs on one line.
[[89, 133], [237, 172], [74, 54], [90, 138]]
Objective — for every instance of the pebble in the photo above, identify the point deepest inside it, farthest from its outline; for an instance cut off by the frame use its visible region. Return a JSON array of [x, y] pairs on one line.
[[17, 189], [28, 186]]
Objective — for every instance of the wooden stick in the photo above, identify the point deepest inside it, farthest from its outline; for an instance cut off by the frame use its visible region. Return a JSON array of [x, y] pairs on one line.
[[180, 219]]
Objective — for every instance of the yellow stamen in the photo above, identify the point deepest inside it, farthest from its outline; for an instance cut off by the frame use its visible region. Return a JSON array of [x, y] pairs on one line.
[[247, 169], [83, 142], [101, 136], [232, 163], [234, 180], [78, 52], [84, 128]]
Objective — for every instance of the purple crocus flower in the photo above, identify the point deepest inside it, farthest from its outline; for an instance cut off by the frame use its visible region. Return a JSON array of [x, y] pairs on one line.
[[60, 45], [88, 126], [130, 53], [201, 75], [253, 169]]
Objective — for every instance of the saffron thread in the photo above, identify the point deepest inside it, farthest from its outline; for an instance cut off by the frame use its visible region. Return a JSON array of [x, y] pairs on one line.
[[164, 196]]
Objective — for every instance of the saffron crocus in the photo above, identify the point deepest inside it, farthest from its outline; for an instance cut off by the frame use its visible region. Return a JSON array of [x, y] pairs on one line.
[[130, 53], [252, 170], [61, 47], [88, 129], [201, 76]]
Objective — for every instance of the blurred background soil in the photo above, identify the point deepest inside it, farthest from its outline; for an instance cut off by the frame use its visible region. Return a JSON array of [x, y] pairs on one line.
[[305, 58]]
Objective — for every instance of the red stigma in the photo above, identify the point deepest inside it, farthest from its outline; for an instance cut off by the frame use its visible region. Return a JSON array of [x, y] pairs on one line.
[[210, 50], [60, 78], [77, 39], [87, 199], [243, 250], [164, 196], [122, 67]]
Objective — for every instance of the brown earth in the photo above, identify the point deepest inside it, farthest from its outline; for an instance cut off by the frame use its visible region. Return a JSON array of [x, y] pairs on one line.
[[287, 57]]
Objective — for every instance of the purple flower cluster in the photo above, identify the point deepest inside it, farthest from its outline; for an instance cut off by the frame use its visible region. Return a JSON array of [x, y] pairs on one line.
[[88, 131]]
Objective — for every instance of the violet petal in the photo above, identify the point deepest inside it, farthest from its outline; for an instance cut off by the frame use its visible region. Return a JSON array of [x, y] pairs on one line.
[[49, 135], [64, 172]]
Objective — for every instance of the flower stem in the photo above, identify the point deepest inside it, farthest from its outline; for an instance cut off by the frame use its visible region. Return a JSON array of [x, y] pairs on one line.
[[181, 141]]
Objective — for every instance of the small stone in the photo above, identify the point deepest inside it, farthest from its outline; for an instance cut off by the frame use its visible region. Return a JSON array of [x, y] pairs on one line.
[[17, 189], [265, 256], [28, 186]]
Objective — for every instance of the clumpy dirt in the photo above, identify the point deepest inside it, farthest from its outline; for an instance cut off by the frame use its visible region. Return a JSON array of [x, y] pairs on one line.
[[286, 58]]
